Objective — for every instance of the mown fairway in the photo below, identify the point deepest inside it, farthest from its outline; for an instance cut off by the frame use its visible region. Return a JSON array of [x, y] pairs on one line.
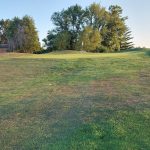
[[75, 101]]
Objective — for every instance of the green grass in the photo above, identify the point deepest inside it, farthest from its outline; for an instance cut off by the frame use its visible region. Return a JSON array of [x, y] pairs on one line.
[[71, 101]]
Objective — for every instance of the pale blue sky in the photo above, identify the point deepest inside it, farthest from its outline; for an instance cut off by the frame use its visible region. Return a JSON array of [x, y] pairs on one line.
[[138, 12]]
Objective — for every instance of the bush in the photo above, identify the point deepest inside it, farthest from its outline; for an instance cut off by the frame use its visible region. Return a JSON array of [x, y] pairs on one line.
[[102, 49], [43, 51]]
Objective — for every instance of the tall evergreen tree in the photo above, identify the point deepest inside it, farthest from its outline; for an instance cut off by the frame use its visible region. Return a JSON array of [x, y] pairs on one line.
[[126, 42]]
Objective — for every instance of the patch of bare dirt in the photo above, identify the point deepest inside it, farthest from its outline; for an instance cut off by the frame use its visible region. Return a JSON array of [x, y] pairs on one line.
[[122, 89]]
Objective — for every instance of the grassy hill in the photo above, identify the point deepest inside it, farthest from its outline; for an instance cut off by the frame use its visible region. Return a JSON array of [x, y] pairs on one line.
[[70, 101]]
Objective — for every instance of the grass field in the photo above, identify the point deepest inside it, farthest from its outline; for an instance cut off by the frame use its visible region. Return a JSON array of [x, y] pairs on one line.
[[75, 101]]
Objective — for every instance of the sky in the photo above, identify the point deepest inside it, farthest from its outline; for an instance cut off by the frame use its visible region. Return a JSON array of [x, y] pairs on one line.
[[138, 12]]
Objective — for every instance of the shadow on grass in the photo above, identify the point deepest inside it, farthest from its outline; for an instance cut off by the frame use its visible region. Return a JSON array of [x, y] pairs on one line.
[[147, 53], [134, 50]]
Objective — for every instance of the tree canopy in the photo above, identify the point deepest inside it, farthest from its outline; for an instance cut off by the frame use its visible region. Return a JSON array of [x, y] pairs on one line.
[[92, 29], [19, 34]]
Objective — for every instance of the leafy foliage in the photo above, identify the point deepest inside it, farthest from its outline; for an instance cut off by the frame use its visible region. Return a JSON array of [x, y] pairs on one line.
[[81, 27], [3, 26], [20, 34], [90, 39]]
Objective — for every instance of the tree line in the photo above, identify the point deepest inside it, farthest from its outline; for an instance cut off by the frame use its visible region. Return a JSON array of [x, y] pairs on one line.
[[20, 34], [93, 29]]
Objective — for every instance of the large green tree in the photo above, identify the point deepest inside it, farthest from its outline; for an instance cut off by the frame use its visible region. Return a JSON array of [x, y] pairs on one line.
[[62, 40], [114, 29], [71, 21], [31, 40], [20, 34], [96, 16], [57, 40]]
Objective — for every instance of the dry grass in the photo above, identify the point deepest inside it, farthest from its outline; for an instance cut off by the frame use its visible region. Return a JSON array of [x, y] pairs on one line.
[[58, 101]]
